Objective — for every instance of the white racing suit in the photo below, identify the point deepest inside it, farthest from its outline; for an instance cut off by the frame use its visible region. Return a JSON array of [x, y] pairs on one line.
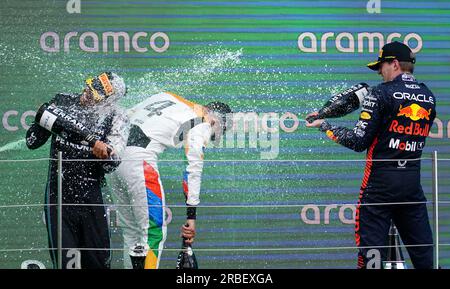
[[162, 121]]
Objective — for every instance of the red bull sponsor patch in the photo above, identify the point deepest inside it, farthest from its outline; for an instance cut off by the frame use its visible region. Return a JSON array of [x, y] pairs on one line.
[[412, 129], [331, 135], [414, 112]]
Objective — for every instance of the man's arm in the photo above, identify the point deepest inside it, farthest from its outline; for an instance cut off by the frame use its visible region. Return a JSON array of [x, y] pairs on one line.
[[115, 142], [118, 135], [362, 135], [196, 142]]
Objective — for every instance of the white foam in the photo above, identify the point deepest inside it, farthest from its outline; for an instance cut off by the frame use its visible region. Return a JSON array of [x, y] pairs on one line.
[[187, 80], [16, 145]]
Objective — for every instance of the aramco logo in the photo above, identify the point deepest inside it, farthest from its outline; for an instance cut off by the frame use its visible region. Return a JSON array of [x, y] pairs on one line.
[[91, 41], [349, 43]]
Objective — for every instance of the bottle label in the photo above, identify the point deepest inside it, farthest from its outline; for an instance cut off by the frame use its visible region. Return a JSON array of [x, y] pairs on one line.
[[47, 120], [361, 94]]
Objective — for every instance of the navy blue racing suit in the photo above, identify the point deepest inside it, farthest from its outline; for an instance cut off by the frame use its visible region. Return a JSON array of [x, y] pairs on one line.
[[395, 119], [82, 226]]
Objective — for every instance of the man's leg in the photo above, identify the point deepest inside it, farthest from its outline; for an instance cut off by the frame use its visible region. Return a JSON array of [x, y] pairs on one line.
[[144, 222], [414, 229], [157, 229], [124, 200], [372, 229], [95, 234]]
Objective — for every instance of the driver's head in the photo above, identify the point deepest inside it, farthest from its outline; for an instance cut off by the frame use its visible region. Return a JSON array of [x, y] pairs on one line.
[[217, 112], [106, 86], [393, 59]]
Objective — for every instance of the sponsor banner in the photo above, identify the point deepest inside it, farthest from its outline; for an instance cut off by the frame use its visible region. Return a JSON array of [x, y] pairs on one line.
[[409, 146]]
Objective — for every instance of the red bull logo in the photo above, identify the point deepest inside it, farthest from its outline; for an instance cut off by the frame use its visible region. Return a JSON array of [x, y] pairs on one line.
[[414, 112], [331, 135], [411, 129]]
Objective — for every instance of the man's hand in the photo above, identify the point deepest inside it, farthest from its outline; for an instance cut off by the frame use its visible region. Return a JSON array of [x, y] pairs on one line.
[[188, 231], [315, 123], [100, 150]]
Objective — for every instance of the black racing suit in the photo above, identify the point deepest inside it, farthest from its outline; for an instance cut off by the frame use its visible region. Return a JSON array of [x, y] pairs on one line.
[[82, 226], [395, 120]]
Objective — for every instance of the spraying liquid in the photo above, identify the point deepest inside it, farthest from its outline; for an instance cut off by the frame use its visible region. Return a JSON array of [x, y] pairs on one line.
[[185, 81], [16, 145]]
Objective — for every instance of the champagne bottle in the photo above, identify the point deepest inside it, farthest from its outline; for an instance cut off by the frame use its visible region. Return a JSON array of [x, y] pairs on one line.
[[59, 122], [186, 258], [342, 103]]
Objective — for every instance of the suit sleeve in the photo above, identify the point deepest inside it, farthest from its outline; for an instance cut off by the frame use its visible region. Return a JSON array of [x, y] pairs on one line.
[[116, 137], [366, 129], [197, 140], [119, 132], [36, 135]]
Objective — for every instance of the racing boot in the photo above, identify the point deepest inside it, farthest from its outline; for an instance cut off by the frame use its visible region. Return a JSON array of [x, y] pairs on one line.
[[137, 254]]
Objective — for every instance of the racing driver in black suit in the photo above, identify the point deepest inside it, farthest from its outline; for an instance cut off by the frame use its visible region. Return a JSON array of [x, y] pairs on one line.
[[83, 226], [395, 119]]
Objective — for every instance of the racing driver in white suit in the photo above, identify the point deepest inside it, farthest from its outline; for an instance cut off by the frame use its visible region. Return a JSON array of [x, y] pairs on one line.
[[163, 120]]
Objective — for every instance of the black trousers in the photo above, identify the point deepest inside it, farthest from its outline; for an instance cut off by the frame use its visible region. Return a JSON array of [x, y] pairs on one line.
[[412, 223], [83, 227]]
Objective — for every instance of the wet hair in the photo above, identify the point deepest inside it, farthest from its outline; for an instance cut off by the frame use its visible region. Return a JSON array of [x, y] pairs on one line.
[[221, 109]]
